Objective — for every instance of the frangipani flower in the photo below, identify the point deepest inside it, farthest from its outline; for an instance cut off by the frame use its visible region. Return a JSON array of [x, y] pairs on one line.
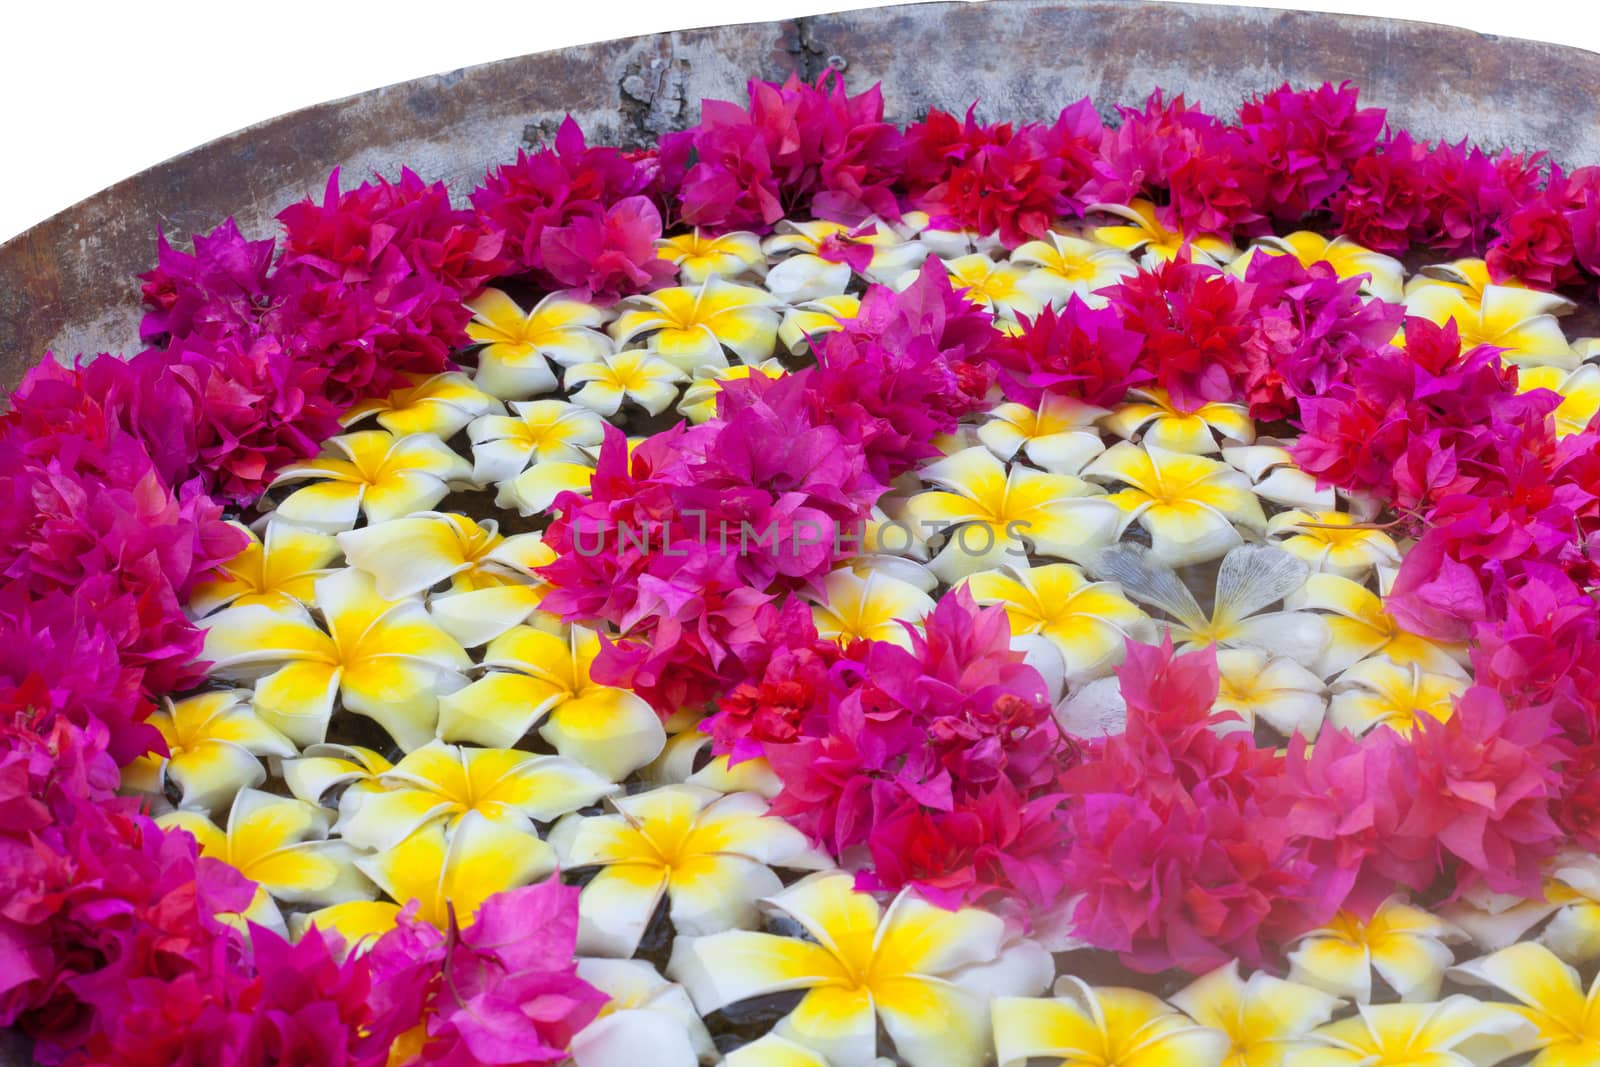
[[1520, 321], [1404, 944], [276, 571], [537, 431], [1188, 504], [385, 659], [871, 607], [1358, 627], [1164, 426], [535, 489], [1265, 1018], [444, 782], [1381, 692], [635, 374], [812, 318], [873, 249], [1059, 435], [1333, 542], [775, 1051], [649, 1020], [1070, 266], [861, 967], [1273, 689], [370, 472], [987, 512], [322, 768], [995, 287], [537, 677], [282, 844], [213, 741], [1468, 277], [680, 764], [1143, 234], [1552, 998], [1579, 391], [699, 256], [710, 854], [412, 555], [1251, 577], [1348, 259], [514, 362], [1571, 903], [1089, 623], [1106, 1027], [440, 404], [1275, 476], [699, 401], [444, 873], [689, 327], [1456, 1032]]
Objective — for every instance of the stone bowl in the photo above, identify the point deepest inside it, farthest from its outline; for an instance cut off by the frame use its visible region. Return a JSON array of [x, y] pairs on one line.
[[69, 284]]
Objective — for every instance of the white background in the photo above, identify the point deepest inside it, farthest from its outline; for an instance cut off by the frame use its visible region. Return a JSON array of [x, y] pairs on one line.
[[93, 92]]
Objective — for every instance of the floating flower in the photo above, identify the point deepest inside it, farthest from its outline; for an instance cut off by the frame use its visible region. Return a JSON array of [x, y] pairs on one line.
[[635, 374], [1101, 1027], [213, 744], [1070, 266], [688, 328], [412, 555], [277, 570], [282, 845], [806, 321], [700, 398], [648, 1020], [537, 677], [995, 287], [1404, 944], [518, 345], [1552, 999], [874, 249], [1265, 1018], [321, 769], [1469, 278], [1456, 1032], [700, 256], [1272, 689], [440, 781], [1058, 435], [439, 404], [371, 473], [680, 763], [988, 512], [873, 607], [1519, 322], [385, 659], [861, 967], [1383, 274], [1570, 900], [711, 855], [1333, 542], [1164, 426], [534, 491], [1579, 391], [1089, 623], [1188, 504], [537, 431], [1380, 692], [1144, 234], [445, 874], [1275, 476], [775, 1051], [1359, 627]]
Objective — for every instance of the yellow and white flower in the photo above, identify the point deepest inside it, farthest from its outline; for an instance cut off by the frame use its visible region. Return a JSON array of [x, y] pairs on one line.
[[1188, 504], [1520, 321], [710, 854], [1088, 622], [813, 318], [1064, 267], [1358, 627], [1272, 689], [1405, 945], [699, 401], [537, 431], [648, 1020], [1468, 277], [775, 1051], [1164, 426], [893, 254], [635, 374], [1332, 542], [1571, 902], [1275, 476], [1380, 692], [1058, 435], [322, 768], [1384, 274], [690, 327], [1265, 1018], [861, 966], [385, 659], [514, 363], [1101, 1027], [995, 287], [1551, 997], [371, 473], [277, 571], [214, 741], [700, 256], [1579, 391], [440, 404], [990, 514], [444, 782], [537, 677], [1456, 1032], [677, 765], [1142, 234], [868, 607]]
